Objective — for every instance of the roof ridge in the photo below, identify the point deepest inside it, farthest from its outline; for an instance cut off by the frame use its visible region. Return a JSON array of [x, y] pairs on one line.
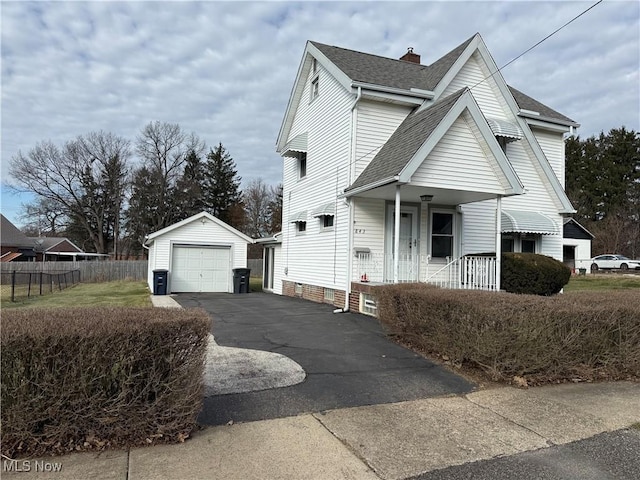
[[420, 65]]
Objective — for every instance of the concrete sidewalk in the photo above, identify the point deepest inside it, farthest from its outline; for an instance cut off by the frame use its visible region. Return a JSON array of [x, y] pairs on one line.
[[389, 441]]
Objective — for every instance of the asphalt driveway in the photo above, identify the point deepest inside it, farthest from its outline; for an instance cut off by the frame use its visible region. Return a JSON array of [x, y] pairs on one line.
[[348, 359]]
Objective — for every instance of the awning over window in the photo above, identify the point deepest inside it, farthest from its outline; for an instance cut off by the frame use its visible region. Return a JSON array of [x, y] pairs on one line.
[[298, 217], [328, 209], [502, 128], [518, 221], [298, 144]]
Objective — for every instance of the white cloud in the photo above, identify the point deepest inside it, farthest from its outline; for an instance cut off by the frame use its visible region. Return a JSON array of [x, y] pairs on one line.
[[225, 69]]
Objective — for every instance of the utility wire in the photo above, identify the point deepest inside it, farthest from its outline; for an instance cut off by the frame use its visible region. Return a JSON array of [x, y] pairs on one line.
[[541, 41]]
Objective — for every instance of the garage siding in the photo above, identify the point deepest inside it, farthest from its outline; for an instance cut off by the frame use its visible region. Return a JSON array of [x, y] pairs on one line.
[[199, 234]]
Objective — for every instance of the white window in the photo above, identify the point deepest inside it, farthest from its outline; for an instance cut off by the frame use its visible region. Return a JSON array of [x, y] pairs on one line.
[[314, 66], [298, 289], [368, 304], [528, 245], [301, 228], [315, 89], [326, 222], [441, 235], [302, 165], [329, 294]]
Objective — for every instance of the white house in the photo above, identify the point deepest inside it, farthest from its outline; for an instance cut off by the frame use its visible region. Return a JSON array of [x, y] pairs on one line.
[[397, 172], [199, 253]]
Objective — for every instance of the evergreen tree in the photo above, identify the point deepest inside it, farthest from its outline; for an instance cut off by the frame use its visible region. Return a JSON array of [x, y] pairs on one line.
[[190, 188], [222, 195], [603, 183]]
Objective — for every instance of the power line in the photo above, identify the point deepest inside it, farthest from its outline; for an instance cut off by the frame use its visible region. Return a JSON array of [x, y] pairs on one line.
[[541, 41]]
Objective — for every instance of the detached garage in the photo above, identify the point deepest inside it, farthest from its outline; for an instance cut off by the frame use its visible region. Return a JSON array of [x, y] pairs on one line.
[[199, 253]]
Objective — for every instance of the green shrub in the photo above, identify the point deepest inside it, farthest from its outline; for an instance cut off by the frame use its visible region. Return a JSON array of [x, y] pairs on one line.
[[533, 274], [589, 336], [83, 378]]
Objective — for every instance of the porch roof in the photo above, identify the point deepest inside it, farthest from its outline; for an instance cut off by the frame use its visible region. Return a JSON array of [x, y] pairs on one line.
[[520, 221]]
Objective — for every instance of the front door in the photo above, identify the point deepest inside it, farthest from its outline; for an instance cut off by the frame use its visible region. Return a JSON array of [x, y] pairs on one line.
[[408, 257]]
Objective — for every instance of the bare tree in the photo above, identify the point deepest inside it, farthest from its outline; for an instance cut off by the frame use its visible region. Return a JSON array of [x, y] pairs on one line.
[[256, 198], [164, 149], [86, 179]]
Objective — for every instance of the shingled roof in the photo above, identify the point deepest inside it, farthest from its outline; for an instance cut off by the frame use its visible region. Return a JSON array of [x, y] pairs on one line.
[[10, 236], [526, 102], [405, 142], [388, 72]]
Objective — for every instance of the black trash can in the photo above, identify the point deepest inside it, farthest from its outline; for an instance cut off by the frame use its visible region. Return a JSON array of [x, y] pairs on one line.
[[241, 280], [160, 278]]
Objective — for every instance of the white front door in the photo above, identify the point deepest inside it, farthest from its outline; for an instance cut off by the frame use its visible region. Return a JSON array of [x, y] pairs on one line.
[[409, 255]]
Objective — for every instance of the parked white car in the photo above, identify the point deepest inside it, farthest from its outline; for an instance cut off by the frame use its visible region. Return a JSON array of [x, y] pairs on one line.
[[613, 262]]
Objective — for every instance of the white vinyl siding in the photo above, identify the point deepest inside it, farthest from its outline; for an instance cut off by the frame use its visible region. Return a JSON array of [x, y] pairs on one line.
[[316, 258], [376, 122], [196, 233], [458, 162], [552, 144], [486, 92], [369, 221]]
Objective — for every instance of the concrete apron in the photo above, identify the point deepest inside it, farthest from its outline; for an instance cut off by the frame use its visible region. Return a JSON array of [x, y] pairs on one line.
[[240, 370]]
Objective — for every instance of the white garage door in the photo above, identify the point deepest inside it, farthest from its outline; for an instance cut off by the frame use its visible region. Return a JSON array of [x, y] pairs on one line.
[[200, 269]]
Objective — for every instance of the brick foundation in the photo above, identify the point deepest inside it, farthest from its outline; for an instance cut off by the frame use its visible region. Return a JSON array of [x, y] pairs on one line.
[[316, 294]]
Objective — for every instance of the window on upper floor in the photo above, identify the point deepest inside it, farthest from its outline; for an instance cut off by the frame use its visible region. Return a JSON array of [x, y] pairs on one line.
[[314, 66], [315, 88], [302, 165], [502, 141]]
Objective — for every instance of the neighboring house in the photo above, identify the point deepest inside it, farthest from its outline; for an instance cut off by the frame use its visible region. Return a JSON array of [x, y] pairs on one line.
[[199, 253], [576, 244], [58, 249], [14, 245], [399, 172]]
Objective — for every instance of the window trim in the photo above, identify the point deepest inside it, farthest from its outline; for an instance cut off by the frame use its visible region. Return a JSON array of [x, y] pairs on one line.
[[301, 228], [302, 165], [314, 91], [323, 220]]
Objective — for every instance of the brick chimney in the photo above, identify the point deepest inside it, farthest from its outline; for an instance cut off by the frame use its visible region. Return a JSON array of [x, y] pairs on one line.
[[410, 56]]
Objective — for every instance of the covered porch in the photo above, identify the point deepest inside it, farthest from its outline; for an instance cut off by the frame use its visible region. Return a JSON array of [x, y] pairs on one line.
[[407, 233]]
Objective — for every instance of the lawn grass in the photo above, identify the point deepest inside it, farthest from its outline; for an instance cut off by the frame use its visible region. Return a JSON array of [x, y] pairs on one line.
[[255, 284], [117, 294], [579, 283]]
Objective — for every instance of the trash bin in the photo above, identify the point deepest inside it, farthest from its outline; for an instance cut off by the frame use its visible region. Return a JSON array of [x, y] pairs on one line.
[[241, 280], [582, 271], [160, 278]]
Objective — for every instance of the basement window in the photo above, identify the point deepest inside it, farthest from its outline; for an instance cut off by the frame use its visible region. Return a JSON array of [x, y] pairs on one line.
[[368, 305], [329, 294]]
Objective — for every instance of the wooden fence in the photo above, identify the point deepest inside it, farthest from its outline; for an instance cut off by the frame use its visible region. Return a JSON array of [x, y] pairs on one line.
[[90, 272], [102, 270]]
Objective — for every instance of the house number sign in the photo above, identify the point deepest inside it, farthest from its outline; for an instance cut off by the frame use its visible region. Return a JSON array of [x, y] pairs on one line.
[[358, 230]]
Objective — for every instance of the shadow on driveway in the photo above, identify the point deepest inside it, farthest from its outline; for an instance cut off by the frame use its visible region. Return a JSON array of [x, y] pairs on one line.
[[348, 359]]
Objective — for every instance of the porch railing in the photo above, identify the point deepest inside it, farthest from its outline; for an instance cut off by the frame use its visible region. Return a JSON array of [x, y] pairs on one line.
[[469, 272], [378, 268]]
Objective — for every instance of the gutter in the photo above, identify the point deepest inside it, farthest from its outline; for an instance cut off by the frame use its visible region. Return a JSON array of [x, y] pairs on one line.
[[414, 92], [370, 186]]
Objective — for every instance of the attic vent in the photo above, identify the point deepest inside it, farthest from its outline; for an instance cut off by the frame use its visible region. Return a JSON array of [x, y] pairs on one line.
[[410, 56]]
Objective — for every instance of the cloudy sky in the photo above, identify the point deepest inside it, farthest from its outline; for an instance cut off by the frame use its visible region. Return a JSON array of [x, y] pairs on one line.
[[225, 70]]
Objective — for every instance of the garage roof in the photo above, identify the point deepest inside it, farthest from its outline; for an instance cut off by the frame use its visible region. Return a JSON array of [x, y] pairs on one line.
[[197, 217]]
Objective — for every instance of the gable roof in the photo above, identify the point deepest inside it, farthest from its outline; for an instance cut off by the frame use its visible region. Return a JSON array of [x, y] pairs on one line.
[[412, 141], [45, 244], [10, 236], [193, 218], [388, 72]]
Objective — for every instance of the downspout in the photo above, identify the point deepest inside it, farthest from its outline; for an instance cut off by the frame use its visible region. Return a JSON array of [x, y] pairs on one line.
[[350, 167], [498, 241]]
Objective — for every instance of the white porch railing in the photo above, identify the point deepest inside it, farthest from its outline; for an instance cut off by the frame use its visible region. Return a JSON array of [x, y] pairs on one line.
[[469, 272]]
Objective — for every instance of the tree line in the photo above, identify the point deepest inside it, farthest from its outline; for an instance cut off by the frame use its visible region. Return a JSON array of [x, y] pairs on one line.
[[603, 183], [106, 193]]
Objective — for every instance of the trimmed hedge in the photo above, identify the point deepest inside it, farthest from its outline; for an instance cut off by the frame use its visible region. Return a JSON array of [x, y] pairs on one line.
[[92, 378], [533, 274], [590, 336]]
